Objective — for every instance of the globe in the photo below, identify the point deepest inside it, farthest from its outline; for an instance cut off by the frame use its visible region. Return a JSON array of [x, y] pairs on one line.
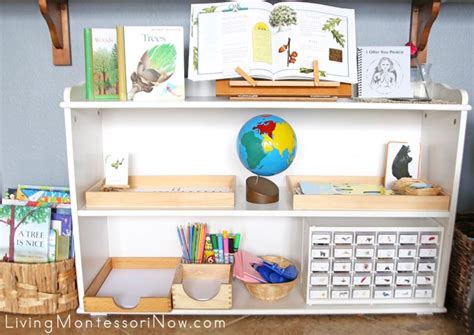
[[266, 145]]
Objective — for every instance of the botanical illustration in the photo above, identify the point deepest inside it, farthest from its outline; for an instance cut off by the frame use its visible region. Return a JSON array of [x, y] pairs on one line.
[[310, 70], [156, 66], [105, 71], [330, 26], [290, 55], [195, 58], [282, 16]]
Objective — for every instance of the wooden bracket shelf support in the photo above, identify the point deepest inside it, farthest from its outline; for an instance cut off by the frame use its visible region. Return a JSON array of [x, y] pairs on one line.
[[423, 15], [56, 14]]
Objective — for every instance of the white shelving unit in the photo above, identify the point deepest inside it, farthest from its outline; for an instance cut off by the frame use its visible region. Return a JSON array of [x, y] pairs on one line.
[[197, 137]]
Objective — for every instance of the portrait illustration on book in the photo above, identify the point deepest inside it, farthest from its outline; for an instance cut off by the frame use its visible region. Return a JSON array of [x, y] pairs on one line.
[[384, 76]]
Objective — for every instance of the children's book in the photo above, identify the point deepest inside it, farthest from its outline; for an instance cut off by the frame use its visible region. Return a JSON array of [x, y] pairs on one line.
[[24, 233], [403, 160], [100, 53], [268, 41], [151, 63], [384, 72]]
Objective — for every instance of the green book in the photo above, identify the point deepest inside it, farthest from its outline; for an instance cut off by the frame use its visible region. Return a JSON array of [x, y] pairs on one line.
[[101, 68]]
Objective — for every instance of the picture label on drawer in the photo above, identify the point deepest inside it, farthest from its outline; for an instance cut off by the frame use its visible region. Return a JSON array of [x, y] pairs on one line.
[[341, 280], [320, 252], [361, 294], [429, 238], [340, 294], [364, 252], [428, 252], [387, 238], [342, 252], [424, 279], [403, 293], [320, 266], [318, 294], [386, 253], [408, 238], [363, 266], [341, 266], [383, 294], [407, 252], [406, 266], [321, 238], [384, 266], [343, 238], [423, 293], [319, 280], [404, 280], [426, 266], [365, 238], [363, 280], [383, 280]]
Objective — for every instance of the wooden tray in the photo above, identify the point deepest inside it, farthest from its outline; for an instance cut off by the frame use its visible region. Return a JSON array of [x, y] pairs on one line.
[[95, 301], [221, 272], [362, 202], [148, 197]]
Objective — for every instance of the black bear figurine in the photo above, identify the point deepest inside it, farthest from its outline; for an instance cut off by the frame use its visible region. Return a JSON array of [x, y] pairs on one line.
[[400, 163]]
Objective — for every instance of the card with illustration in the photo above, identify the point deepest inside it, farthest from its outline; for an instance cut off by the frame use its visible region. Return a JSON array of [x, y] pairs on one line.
[[268, 41], [116, 169]]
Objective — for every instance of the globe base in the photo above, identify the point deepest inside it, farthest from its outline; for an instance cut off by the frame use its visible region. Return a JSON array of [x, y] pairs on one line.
[[261, 190]]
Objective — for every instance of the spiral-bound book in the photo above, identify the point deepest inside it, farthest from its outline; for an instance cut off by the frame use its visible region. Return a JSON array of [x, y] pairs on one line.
[[384, 72]]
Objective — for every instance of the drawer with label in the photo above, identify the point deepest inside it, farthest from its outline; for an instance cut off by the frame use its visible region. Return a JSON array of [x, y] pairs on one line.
[[318, 293], [361, 293], [385, 266], [408, 238], [340, 294], [321, 238], [401, 293], [364, 252], [426, 266], [387, 238], [429, 238], [341, 266], [428, 252], [363, 266], [342, 280], [343, 238], [320, 266], [424, 279], [406, 252], [385, 293], [384, 252], [383, 279], [320, 252], [404, 279], [423, 292], [343, 252], [362, 279], [405, 266], [320, 279], [364, 238]]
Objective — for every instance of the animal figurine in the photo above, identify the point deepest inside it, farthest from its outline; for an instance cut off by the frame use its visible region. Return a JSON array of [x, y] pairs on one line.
[[400, 163]]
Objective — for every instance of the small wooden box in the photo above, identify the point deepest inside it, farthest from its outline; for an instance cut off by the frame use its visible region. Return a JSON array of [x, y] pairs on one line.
[[221, 272], [97, 303], [147, 192], [362, 202]]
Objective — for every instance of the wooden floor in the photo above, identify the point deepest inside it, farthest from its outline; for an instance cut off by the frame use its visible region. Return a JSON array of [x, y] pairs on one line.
[[274, 325]]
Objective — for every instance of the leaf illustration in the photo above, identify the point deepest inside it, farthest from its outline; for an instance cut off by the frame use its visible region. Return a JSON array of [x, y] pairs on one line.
[[330, 26], [163, 58]]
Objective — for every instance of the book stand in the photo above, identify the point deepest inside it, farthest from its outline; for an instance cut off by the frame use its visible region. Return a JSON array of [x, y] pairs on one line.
[[249, 89]]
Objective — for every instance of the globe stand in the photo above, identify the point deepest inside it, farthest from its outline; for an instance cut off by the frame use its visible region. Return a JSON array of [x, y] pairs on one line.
[[261, 190]]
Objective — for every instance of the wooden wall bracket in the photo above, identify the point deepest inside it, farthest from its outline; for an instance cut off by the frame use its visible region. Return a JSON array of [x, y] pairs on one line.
[[423, 15], [56, 14]]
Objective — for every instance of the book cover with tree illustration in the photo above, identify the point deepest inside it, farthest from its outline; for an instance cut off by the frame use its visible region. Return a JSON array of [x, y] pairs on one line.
[[151, 63], [100, 46], [24, 233]]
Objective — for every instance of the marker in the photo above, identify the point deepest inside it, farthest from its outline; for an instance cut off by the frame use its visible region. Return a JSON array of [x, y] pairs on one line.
[[226, 247], [215, 247], [221, 250], [236, 242], [231, 250]]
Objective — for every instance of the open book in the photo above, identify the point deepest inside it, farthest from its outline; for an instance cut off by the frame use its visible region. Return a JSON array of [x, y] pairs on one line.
[[272, 41]]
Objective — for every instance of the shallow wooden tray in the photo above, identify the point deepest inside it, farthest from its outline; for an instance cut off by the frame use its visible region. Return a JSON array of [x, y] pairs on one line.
[[142, 193], [107, 304], [362, 202]]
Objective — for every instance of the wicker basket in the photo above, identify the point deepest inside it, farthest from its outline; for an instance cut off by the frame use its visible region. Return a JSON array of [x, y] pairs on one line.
[[38, 288], [459, 299], [272, 291]]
